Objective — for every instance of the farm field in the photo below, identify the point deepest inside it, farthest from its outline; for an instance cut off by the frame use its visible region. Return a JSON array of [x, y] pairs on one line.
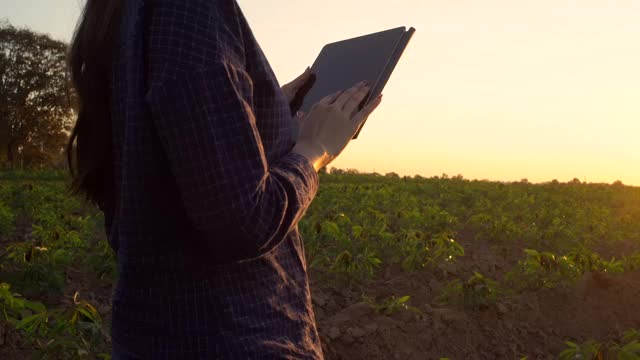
[[400, 268]]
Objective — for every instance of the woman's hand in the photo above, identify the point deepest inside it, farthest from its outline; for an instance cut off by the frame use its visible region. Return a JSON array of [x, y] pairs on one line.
[[292, 88], [331, 123]]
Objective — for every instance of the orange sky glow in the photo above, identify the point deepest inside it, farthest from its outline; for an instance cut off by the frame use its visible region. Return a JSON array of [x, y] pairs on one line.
[[492, 89]]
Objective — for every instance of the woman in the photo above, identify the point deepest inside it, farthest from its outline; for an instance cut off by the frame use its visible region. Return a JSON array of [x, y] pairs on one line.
[[186, 142]]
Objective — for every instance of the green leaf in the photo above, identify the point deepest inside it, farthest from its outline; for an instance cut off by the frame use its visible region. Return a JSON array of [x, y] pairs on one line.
[[89, 312], [38, 307], [568, 354], [31, 323], [632, 348]]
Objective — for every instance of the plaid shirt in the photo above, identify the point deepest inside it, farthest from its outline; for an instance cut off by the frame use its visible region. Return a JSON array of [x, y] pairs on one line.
[[207, 193]]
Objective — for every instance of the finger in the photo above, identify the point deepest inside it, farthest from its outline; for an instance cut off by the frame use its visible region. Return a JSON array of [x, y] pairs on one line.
[[300, 80], [352, 105], [329, 99], [367, 110], [292, 88], [347, 95], [370, 107]]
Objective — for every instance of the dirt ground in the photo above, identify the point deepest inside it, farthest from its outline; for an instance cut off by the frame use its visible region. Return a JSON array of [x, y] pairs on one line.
[[535, 324]]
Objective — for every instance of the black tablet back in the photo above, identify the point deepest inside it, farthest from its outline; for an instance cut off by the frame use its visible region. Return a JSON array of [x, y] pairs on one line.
[[342, 64]]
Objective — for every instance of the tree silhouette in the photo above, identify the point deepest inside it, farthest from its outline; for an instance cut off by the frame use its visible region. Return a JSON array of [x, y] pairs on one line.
[[35, 96]]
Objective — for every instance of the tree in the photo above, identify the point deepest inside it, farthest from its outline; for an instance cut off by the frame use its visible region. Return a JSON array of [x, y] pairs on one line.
[[35, 96]]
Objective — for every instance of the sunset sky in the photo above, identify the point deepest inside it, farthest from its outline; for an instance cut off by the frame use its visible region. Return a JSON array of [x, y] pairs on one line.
[[491, 89]]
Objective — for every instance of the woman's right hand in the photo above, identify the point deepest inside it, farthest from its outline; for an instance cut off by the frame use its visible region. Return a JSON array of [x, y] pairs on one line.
[[332, 123]]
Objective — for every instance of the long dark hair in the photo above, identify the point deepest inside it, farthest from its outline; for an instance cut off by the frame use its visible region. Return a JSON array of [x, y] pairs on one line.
[[89, 63]]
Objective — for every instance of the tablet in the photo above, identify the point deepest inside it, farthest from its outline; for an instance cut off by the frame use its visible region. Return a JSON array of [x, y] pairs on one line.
[[341, 65]]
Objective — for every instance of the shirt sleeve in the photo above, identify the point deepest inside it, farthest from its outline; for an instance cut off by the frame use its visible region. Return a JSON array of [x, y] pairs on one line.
[[238, 201]]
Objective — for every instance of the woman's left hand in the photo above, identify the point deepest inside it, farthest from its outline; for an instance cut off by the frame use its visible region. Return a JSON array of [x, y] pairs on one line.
[[292, 88]]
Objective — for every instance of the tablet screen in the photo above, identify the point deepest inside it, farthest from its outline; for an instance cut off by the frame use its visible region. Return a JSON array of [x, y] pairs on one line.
[[343, 64]]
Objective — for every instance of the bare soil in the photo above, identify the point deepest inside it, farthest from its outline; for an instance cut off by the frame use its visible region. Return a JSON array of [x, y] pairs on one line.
[[534, 324]]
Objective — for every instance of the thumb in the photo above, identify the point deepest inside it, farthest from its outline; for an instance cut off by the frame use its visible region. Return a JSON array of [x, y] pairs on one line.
[[362, 116], [302, 78]]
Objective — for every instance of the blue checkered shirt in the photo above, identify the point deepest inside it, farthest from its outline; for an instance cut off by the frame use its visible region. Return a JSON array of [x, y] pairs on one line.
[[207, 193]]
